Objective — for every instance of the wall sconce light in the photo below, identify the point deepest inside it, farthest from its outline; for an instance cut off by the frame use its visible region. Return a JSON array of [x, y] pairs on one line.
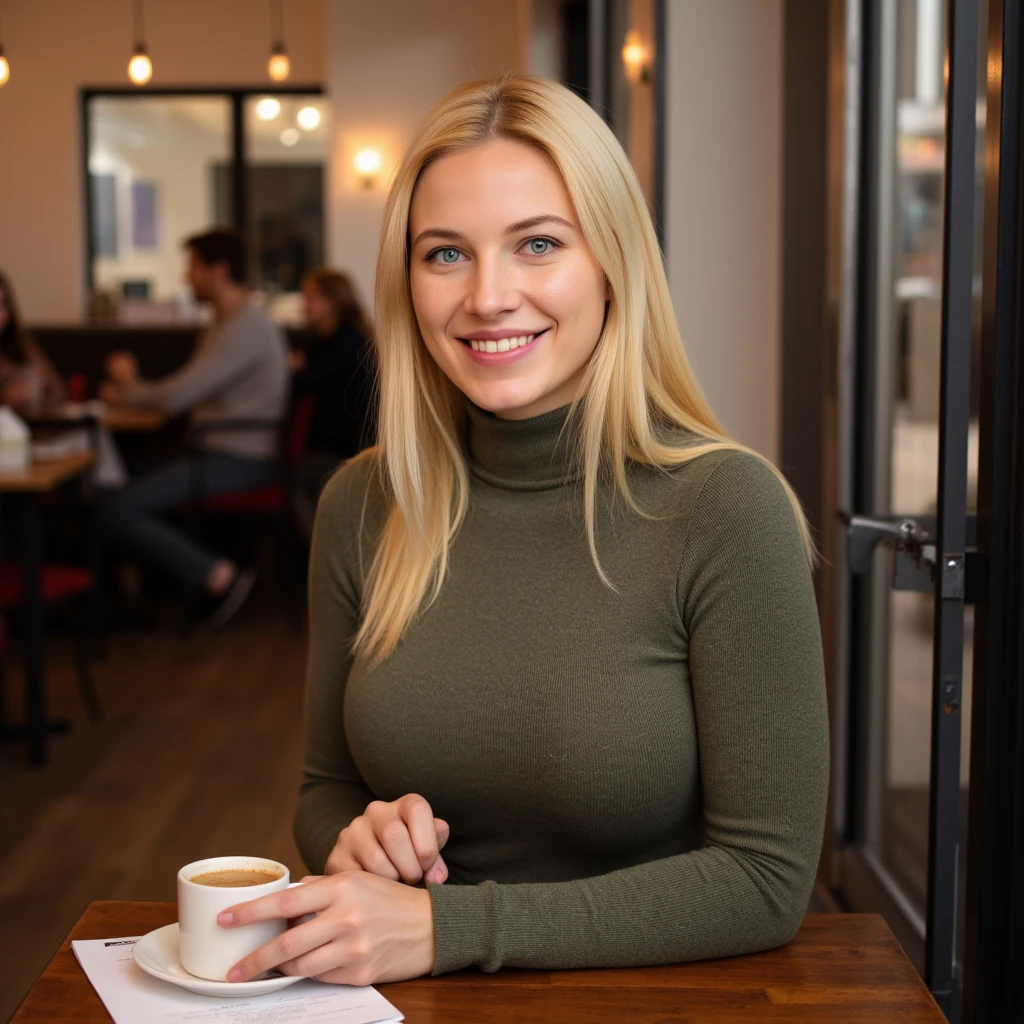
[[368, 163], [279, 67], [140, 67], [635, 58]]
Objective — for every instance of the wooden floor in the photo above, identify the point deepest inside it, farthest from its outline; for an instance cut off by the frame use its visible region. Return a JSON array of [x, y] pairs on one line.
[[199, 755]]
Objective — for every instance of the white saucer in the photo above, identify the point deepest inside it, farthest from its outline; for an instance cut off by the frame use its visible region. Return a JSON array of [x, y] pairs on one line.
[[157, 954]]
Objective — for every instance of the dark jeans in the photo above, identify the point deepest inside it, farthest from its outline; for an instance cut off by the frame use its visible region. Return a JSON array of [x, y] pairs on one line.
[[132, 515]]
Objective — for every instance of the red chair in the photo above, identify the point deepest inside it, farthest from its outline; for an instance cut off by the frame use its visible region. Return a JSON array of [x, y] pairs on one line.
[[272, 501], [58, 583]]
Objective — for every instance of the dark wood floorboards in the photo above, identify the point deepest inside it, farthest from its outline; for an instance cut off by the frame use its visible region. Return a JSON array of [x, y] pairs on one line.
[[199, 755]]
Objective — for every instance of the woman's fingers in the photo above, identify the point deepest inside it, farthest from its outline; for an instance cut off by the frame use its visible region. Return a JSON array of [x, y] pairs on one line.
[[441, 832], [419, 819], [400, 840], [288, 947], [359, 850], [397, 844], [436, 873], [288, 903]]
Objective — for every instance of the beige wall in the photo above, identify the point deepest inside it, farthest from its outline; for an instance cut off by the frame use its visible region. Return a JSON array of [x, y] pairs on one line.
[[389, 62], [723, 198], [57, 46]]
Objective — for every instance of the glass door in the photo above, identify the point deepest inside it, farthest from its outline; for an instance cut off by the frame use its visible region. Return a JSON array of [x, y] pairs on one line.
[[909, 525]]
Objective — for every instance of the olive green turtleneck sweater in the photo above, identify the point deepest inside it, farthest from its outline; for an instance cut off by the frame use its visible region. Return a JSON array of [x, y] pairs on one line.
[[631, 776]]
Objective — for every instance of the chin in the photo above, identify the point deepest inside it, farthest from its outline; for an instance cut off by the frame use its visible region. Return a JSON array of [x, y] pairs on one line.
[[505, 398]]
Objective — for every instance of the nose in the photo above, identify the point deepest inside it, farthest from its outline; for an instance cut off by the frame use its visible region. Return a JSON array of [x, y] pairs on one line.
[[492, 289]]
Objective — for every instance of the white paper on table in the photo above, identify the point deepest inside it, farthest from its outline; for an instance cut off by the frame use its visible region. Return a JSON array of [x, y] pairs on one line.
[[132, 996]]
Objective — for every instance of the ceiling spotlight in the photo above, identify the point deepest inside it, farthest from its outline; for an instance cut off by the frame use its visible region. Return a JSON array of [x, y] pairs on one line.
[[308, 118], [268, 108], [5, 68], [289, 137]]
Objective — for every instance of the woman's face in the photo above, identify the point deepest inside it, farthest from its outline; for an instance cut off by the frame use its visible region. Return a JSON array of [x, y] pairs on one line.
[[508, 296], [319, 311]]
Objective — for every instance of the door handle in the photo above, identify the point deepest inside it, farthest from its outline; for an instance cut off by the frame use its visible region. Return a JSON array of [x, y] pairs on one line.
[[864, 534]]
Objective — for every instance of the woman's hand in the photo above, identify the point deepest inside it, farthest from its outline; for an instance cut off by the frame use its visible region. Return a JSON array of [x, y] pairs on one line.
[[401, 840], [366, 930]]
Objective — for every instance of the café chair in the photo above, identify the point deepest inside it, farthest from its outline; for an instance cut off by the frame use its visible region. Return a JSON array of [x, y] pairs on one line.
[[270, 503], [58, 583]]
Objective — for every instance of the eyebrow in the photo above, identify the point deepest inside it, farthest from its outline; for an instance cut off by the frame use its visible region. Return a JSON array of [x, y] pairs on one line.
[[449, 234]]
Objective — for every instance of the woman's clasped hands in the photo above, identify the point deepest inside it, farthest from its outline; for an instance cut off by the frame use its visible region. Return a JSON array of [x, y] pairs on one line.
[[371, 924]]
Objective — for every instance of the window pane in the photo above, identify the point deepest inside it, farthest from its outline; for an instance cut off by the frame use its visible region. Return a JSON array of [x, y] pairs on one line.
[[287, 144], [153, 165]]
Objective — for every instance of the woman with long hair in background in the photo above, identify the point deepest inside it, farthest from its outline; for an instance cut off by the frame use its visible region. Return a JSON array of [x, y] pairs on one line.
[[27, 377], [336, 372]]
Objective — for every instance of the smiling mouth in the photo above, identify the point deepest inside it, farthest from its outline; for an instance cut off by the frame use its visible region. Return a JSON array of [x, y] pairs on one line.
[[502, 344]]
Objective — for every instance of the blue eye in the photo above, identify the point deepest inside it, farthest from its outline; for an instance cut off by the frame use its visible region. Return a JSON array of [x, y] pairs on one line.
[[541, 246], [445, 256]]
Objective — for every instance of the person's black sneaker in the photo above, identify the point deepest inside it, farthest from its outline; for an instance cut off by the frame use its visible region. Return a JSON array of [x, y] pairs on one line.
[[228, 603]]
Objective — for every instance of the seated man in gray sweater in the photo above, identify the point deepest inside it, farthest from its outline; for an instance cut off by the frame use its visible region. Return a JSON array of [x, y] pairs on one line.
[[239, 370]]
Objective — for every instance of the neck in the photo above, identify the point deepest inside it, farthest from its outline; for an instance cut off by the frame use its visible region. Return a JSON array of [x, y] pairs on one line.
[[229, 300]]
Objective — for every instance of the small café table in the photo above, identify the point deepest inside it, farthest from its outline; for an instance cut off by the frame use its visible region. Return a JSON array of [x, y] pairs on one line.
[[840, 968], [22, 489], [116, 419]]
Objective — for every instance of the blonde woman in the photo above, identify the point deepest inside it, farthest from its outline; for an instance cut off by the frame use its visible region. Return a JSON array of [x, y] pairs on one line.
[[566, 704]]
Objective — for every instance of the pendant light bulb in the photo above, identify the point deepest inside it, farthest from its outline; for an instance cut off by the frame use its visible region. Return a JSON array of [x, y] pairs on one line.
[[279, 67], [5, 68], [140, 67]]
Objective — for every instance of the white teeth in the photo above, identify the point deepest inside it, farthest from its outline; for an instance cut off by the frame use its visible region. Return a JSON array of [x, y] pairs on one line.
[[502, 344]]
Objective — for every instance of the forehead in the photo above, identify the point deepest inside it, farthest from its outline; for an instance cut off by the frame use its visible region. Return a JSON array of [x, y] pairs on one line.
[[488, 187]]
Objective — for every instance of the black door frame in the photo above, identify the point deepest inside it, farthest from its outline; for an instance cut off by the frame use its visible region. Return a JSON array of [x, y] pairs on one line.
[[825, 320], [994, 947]]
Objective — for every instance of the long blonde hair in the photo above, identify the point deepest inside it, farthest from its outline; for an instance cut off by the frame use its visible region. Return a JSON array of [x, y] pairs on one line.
[[638, 378]]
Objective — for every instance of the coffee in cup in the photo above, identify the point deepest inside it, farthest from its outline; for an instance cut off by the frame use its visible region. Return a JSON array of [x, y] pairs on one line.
[[207, 887], [235, 878]]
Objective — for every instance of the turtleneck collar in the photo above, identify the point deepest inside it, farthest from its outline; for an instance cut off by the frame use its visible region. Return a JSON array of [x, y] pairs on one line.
[[534, 454]]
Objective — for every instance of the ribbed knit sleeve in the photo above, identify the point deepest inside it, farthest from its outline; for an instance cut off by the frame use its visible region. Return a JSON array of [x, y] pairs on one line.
[[332, 791], [747, 607]]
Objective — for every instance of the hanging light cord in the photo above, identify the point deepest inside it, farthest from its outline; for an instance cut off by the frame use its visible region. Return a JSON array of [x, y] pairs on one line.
[[277, 24], [140, 29]]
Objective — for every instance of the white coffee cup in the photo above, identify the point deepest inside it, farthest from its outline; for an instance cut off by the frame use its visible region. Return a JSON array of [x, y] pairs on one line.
[[206, 949]]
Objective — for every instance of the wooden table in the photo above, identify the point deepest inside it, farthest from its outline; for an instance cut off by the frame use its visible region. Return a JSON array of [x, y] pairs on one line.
[[119, 420], [22, 488], [840, 968], [46, 475]]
